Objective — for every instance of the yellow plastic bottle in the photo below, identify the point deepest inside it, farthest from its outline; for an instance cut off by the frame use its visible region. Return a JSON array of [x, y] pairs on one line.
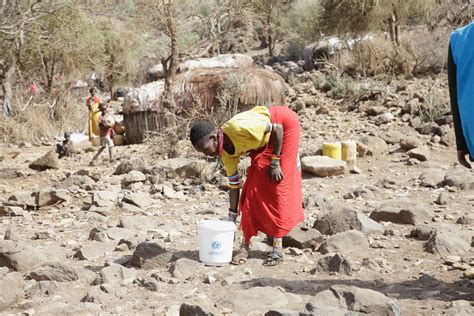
[[332, 150]]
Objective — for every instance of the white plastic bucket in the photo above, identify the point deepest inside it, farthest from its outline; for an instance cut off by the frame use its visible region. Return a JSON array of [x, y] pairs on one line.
[[216, 241]]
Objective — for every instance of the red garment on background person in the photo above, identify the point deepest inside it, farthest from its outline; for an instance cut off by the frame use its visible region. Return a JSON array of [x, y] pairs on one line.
[[96, 100], [33, 88], [274, 207], [104, 130]]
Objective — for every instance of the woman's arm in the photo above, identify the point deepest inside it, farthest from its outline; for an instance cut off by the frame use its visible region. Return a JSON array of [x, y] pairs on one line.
[[276, 141], [276, 138]]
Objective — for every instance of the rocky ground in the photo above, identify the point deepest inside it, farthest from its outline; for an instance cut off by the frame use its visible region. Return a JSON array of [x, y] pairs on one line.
[[393, 236]]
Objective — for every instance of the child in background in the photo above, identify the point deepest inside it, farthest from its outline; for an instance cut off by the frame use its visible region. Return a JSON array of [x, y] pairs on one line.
[[106, 132], [66, 148]]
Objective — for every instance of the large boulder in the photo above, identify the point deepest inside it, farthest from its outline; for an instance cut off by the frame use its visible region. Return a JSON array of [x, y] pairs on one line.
[[459, 177], [353, 299], [258, 299], [348, 242], [337, 222], [323, 166], [445, 241], [403, 212], [48, 161], [53, 271], [19, 256]]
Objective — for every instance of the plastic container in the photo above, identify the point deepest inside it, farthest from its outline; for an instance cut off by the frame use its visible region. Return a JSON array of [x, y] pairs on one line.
[[332, 150], [95, 141], [216, 241], [349, 151], [119, 140]]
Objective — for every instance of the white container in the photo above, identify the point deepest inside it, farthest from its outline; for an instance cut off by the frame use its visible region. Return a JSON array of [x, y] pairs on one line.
[[349, 151], [216, 241]]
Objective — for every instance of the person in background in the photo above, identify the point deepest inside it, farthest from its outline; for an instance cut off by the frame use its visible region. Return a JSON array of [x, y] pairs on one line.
[[92, 103], [66, 148], [461, 90], [106, 132], [271, 198]]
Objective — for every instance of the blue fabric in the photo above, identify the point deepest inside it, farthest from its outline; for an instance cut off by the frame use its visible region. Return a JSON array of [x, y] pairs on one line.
[[462, 47]]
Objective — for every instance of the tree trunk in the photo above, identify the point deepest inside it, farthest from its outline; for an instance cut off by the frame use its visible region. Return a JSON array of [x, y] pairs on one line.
[[8, 81], [170, 68]]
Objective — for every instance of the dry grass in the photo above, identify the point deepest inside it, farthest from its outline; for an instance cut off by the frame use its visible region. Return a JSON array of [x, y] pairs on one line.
[[421, 52], [41, 121]]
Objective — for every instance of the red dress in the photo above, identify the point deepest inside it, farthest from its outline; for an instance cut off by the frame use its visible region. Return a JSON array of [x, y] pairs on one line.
[[274, 207]]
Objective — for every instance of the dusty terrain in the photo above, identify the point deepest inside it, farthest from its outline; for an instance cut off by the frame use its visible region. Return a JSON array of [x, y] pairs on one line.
[[84, 253]]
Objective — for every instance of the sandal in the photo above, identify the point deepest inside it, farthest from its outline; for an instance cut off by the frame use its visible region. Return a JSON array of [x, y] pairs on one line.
[[275, 257], [241, 257]]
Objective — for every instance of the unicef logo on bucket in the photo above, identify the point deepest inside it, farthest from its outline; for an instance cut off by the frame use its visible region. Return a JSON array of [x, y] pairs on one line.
[[216, 246]]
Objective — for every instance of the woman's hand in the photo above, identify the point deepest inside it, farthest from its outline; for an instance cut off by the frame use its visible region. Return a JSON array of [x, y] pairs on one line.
[[462, 158], [274, 172]]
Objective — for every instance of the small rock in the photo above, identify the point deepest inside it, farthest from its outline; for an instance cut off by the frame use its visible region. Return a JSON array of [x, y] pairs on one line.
[[442, 199], [420, 153], [129, 165], [450, 260], [141, 223], [302, 237], [469, 274], [116, 274], [467, 219], [410, 143], [185, 268], [132, 177], [104, 198], [140, 199], [334, 262], [376, 145], [149, 255], [432, 178], [94, 250], [195, 310]]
